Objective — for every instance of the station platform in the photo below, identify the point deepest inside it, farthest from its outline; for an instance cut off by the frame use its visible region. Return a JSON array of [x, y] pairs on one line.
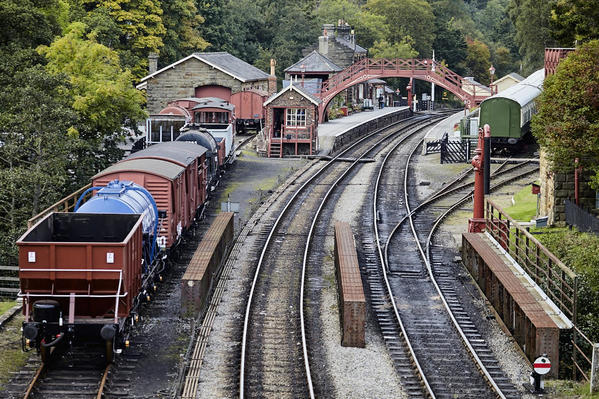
[[329, 132], [445, 126]]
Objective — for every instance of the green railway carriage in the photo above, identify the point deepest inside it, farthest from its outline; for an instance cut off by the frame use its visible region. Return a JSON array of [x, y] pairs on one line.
[[509, 112]]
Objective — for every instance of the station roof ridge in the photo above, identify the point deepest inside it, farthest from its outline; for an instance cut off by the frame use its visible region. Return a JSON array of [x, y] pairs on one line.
[[314, 62], [223, 61]]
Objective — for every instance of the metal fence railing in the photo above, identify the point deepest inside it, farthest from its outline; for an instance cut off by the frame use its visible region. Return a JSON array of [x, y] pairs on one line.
[[64, 205], [557, 280], [581, 219], [9, 281]]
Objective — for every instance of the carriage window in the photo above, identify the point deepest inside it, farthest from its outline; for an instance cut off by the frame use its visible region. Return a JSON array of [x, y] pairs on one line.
[[296, 117]]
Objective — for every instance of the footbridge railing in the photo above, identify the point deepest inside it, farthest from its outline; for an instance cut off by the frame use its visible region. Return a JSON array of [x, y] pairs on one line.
[[424, 69]]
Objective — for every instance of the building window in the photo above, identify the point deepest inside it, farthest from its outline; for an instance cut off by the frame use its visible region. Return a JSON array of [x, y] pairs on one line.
[[296, 117]]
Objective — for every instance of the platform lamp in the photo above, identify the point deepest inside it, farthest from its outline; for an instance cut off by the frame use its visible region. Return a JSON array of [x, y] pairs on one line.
[[492, 73]]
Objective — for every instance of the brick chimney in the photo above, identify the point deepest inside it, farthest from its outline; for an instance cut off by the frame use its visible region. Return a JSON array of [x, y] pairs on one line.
[[152, 62], [272, 78]]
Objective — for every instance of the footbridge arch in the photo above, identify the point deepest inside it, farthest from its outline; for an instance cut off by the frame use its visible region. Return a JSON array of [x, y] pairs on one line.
[[422, 69]]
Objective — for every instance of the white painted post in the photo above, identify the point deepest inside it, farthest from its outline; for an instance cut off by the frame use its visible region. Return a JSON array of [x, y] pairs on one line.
[[595, 369]]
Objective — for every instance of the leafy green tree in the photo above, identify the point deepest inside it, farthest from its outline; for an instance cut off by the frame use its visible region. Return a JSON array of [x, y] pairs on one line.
[[478, 61], [182, 36], [27, 23], [575, 20], [412, 18], [101, 90], [132, 27], [35, 153], [450, 46], [567, 124], [531, 21], [384, 49], [368, 27], [502, 61]]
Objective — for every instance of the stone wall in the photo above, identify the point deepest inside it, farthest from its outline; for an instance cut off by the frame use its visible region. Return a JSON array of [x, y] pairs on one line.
[[557, 187], [181, 81]]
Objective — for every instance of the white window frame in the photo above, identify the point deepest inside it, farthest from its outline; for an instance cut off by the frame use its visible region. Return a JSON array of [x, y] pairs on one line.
[[295, 117]]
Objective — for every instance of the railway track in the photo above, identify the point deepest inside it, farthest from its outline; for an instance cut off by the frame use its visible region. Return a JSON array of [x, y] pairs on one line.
[[274, 353], [427, 343], [79, 373]]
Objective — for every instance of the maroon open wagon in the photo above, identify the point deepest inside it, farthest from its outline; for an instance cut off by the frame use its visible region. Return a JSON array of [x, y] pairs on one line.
[[80, 275]]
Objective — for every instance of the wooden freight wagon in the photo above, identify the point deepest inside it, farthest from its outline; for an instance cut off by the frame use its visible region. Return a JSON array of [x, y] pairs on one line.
[[190, 156], [165, 181], [78, 273], [198, 279]]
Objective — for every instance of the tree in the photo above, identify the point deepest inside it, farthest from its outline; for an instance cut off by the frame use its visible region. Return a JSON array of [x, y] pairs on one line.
[[35, 115], [384, 49], [25, 24], [135, 29], [450, 46], [502, 61], [478, 61], [533, 34], [101, 92], [412, 18], [567, 124], [575, 20], [182, 37], [368, 27]]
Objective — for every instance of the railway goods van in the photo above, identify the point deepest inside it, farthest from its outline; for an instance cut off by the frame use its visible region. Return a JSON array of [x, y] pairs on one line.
[[191, 157], [165, 181]]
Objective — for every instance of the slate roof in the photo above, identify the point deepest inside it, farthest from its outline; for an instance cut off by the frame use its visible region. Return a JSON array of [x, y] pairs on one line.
[[313, 99], [222, 61], [314, 62]]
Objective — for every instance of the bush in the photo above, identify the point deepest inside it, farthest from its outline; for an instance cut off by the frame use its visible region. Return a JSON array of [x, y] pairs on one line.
[[580, 252]]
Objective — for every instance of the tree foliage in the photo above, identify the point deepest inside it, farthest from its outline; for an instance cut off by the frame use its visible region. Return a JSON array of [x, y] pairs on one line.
[[101, 90], [575, 20], [135, 29], [413, 18], [384, 49], [35, 152], [567, 124], [531, 21], [477, 61]]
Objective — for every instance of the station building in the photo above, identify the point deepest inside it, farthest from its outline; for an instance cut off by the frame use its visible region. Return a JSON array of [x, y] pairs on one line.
[[198, 75]]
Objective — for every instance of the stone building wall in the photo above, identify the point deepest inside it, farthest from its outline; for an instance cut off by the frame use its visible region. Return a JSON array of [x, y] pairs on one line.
[[181, 81], [557, 187]]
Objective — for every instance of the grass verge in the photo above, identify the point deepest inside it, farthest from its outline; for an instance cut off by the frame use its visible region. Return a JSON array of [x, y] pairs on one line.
[[525, 205]]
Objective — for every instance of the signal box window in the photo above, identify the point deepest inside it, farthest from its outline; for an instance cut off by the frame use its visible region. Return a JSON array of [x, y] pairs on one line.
[[296, 117]]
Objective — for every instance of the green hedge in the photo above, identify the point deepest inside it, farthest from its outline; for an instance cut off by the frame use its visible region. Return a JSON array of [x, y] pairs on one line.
[[580, 252]]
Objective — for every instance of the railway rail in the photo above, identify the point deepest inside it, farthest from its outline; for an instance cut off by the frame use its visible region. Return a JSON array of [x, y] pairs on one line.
[[274, 353], [423, 341]]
